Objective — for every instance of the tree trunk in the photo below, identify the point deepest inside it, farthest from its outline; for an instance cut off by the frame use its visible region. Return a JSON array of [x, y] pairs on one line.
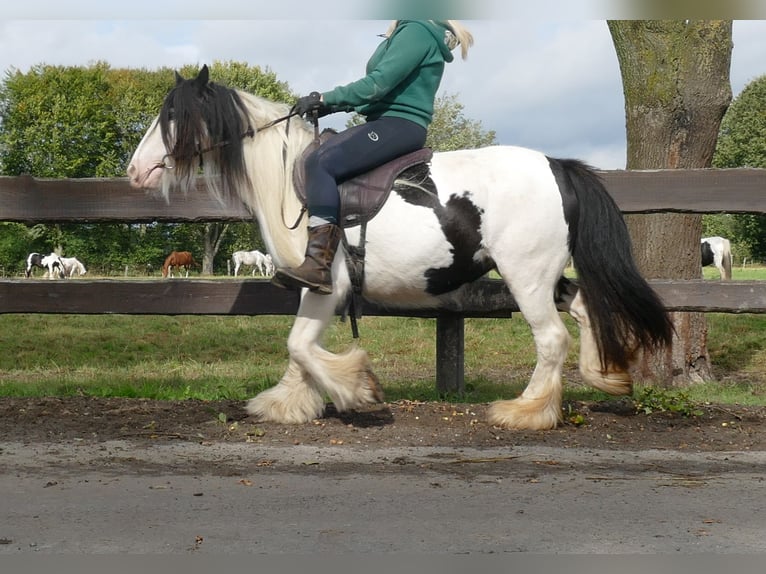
[[675, 76], [214, 234]]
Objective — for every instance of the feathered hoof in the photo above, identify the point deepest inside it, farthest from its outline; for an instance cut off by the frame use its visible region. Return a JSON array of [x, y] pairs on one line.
[[617, 383], [276, 405], [524, 414]]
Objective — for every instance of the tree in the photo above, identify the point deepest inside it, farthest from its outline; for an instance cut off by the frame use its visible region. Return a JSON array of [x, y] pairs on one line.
[[70, 122], [451, 130], [742, 143], [59, 122], [675, 78]]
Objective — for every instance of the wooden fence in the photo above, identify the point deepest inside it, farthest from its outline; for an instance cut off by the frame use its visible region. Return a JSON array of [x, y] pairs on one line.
[[30, 200]]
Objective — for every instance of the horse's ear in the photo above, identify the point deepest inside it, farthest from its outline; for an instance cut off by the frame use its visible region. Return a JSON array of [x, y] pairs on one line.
[[203, 76], [179, 77]]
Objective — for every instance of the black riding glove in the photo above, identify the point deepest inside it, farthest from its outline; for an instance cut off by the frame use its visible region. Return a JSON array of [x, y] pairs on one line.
[[312, 104]]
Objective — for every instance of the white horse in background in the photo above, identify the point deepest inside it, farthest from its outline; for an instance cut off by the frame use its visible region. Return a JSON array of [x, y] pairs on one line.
[[717, 251], [72, 265], [255, 259]]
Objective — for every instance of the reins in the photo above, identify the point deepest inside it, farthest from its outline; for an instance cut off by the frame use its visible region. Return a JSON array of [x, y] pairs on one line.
[[314, 119]]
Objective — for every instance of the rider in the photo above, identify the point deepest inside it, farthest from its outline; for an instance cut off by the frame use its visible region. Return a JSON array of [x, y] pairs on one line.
[[396, 97]]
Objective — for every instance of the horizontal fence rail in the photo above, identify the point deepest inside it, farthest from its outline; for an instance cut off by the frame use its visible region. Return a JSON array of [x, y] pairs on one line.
[[487, 298], [100, 200], [26, 199]]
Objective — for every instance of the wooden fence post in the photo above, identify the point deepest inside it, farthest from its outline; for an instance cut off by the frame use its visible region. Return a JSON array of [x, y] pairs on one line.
[[450, 342]]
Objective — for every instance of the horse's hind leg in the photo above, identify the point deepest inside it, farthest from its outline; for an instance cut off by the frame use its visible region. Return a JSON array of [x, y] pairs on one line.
[[610, 380], [347, 378], [539, 406]]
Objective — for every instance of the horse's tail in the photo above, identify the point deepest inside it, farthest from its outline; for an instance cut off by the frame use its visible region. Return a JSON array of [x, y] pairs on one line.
[[624, 310]]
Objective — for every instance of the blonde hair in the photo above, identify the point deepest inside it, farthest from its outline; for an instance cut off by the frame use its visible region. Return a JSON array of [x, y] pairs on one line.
[[462, 35]]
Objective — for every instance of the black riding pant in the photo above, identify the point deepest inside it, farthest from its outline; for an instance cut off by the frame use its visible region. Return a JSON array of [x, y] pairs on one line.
[[353, 152]]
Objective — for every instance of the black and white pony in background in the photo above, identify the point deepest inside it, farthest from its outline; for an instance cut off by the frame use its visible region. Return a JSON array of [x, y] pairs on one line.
[[262, 262], [52, 264], [443, 225], [717, 251]]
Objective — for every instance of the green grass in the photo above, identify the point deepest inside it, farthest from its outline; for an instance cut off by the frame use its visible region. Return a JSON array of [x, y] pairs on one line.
[[236, 357], [738, 273]]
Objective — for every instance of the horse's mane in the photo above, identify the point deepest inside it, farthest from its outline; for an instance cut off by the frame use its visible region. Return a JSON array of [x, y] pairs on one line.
[[242, 153], [210, 122]]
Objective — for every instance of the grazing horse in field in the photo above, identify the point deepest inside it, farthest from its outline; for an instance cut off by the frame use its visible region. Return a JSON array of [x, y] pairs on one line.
[[72, 265], [178, 259], [717, 251], [444, 224], [255, 259], [33, 260], [54, 266]]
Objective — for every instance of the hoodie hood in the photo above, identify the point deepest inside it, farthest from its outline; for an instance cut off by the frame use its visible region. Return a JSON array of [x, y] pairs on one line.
[[440, 31]]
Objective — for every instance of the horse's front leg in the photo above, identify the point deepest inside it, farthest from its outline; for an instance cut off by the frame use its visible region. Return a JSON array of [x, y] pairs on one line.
[[294, 400], [347, 378]]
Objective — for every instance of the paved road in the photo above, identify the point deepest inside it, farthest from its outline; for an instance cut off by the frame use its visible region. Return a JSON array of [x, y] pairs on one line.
[[117, 497]]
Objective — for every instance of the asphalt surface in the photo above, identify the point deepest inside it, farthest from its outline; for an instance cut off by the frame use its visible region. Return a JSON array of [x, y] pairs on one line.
[[220, 498]]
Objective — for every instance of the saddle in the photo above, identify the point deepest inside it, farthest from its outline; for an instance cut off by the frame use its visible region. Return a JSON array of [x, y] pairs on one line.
[[362, 196]]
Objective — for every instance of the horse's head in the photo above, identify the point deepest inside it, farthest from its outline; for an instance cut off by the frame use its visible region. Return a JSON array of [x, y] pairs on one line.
[[200, 124]]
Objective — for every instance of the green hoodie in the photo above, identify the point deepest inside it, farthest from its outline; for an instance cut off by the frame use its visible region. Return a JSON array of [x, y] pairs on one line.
[[403, 75]]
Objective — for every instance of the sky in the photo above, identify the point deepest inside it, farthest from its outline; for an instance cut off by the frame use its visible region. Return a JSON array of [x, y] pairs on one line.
[[548, 84]]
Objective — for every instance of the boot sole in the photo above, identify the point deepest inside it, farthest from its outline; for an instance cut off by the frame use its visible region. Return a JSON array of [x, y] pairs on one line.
[[286, 281]]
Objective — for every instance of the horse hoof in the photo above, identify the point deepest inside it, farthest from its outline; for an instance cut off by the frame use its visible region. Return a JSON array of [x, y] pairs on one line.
[[524, 414]]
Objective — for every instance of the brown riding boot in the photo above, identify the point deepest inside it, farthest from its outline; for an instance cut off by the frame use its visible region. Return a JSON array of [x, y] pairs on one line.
[[315, 272]]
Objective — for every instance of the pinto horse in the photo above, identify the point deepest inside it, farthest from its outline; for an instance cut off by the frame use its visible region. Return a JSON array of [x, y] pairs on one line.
[[33, 260], [178, 259], [52, 263], [717, 251], [505, 208], [255, 259]]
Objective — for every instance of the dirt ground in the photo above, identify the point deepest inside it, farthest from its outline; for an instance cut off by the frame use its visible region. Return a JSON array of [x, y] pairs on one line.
[[613, 424]]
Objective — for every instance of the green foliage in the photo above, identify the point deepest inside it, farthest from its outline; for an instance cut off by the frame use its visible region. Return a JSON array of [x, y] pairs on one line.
[[73, 122], [251, 79], [59, 122], [451, 130], [14, 242], [742, 143], [651, 400], [742, 137]]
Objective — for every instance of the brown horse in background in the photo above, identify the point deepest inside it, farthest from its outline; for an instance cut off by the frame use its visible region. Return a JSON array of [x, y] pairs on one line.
[[178, 259]]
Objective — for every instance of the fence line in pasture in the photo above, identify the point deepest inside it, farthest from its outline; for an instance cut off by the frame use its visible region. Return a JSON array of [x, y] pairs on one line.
[[92, 200]]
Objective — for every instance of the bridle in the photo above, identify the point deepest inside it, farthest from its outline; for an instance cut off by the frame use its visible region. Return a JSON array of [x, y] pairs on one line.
[[248, 133], [251, 133]]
